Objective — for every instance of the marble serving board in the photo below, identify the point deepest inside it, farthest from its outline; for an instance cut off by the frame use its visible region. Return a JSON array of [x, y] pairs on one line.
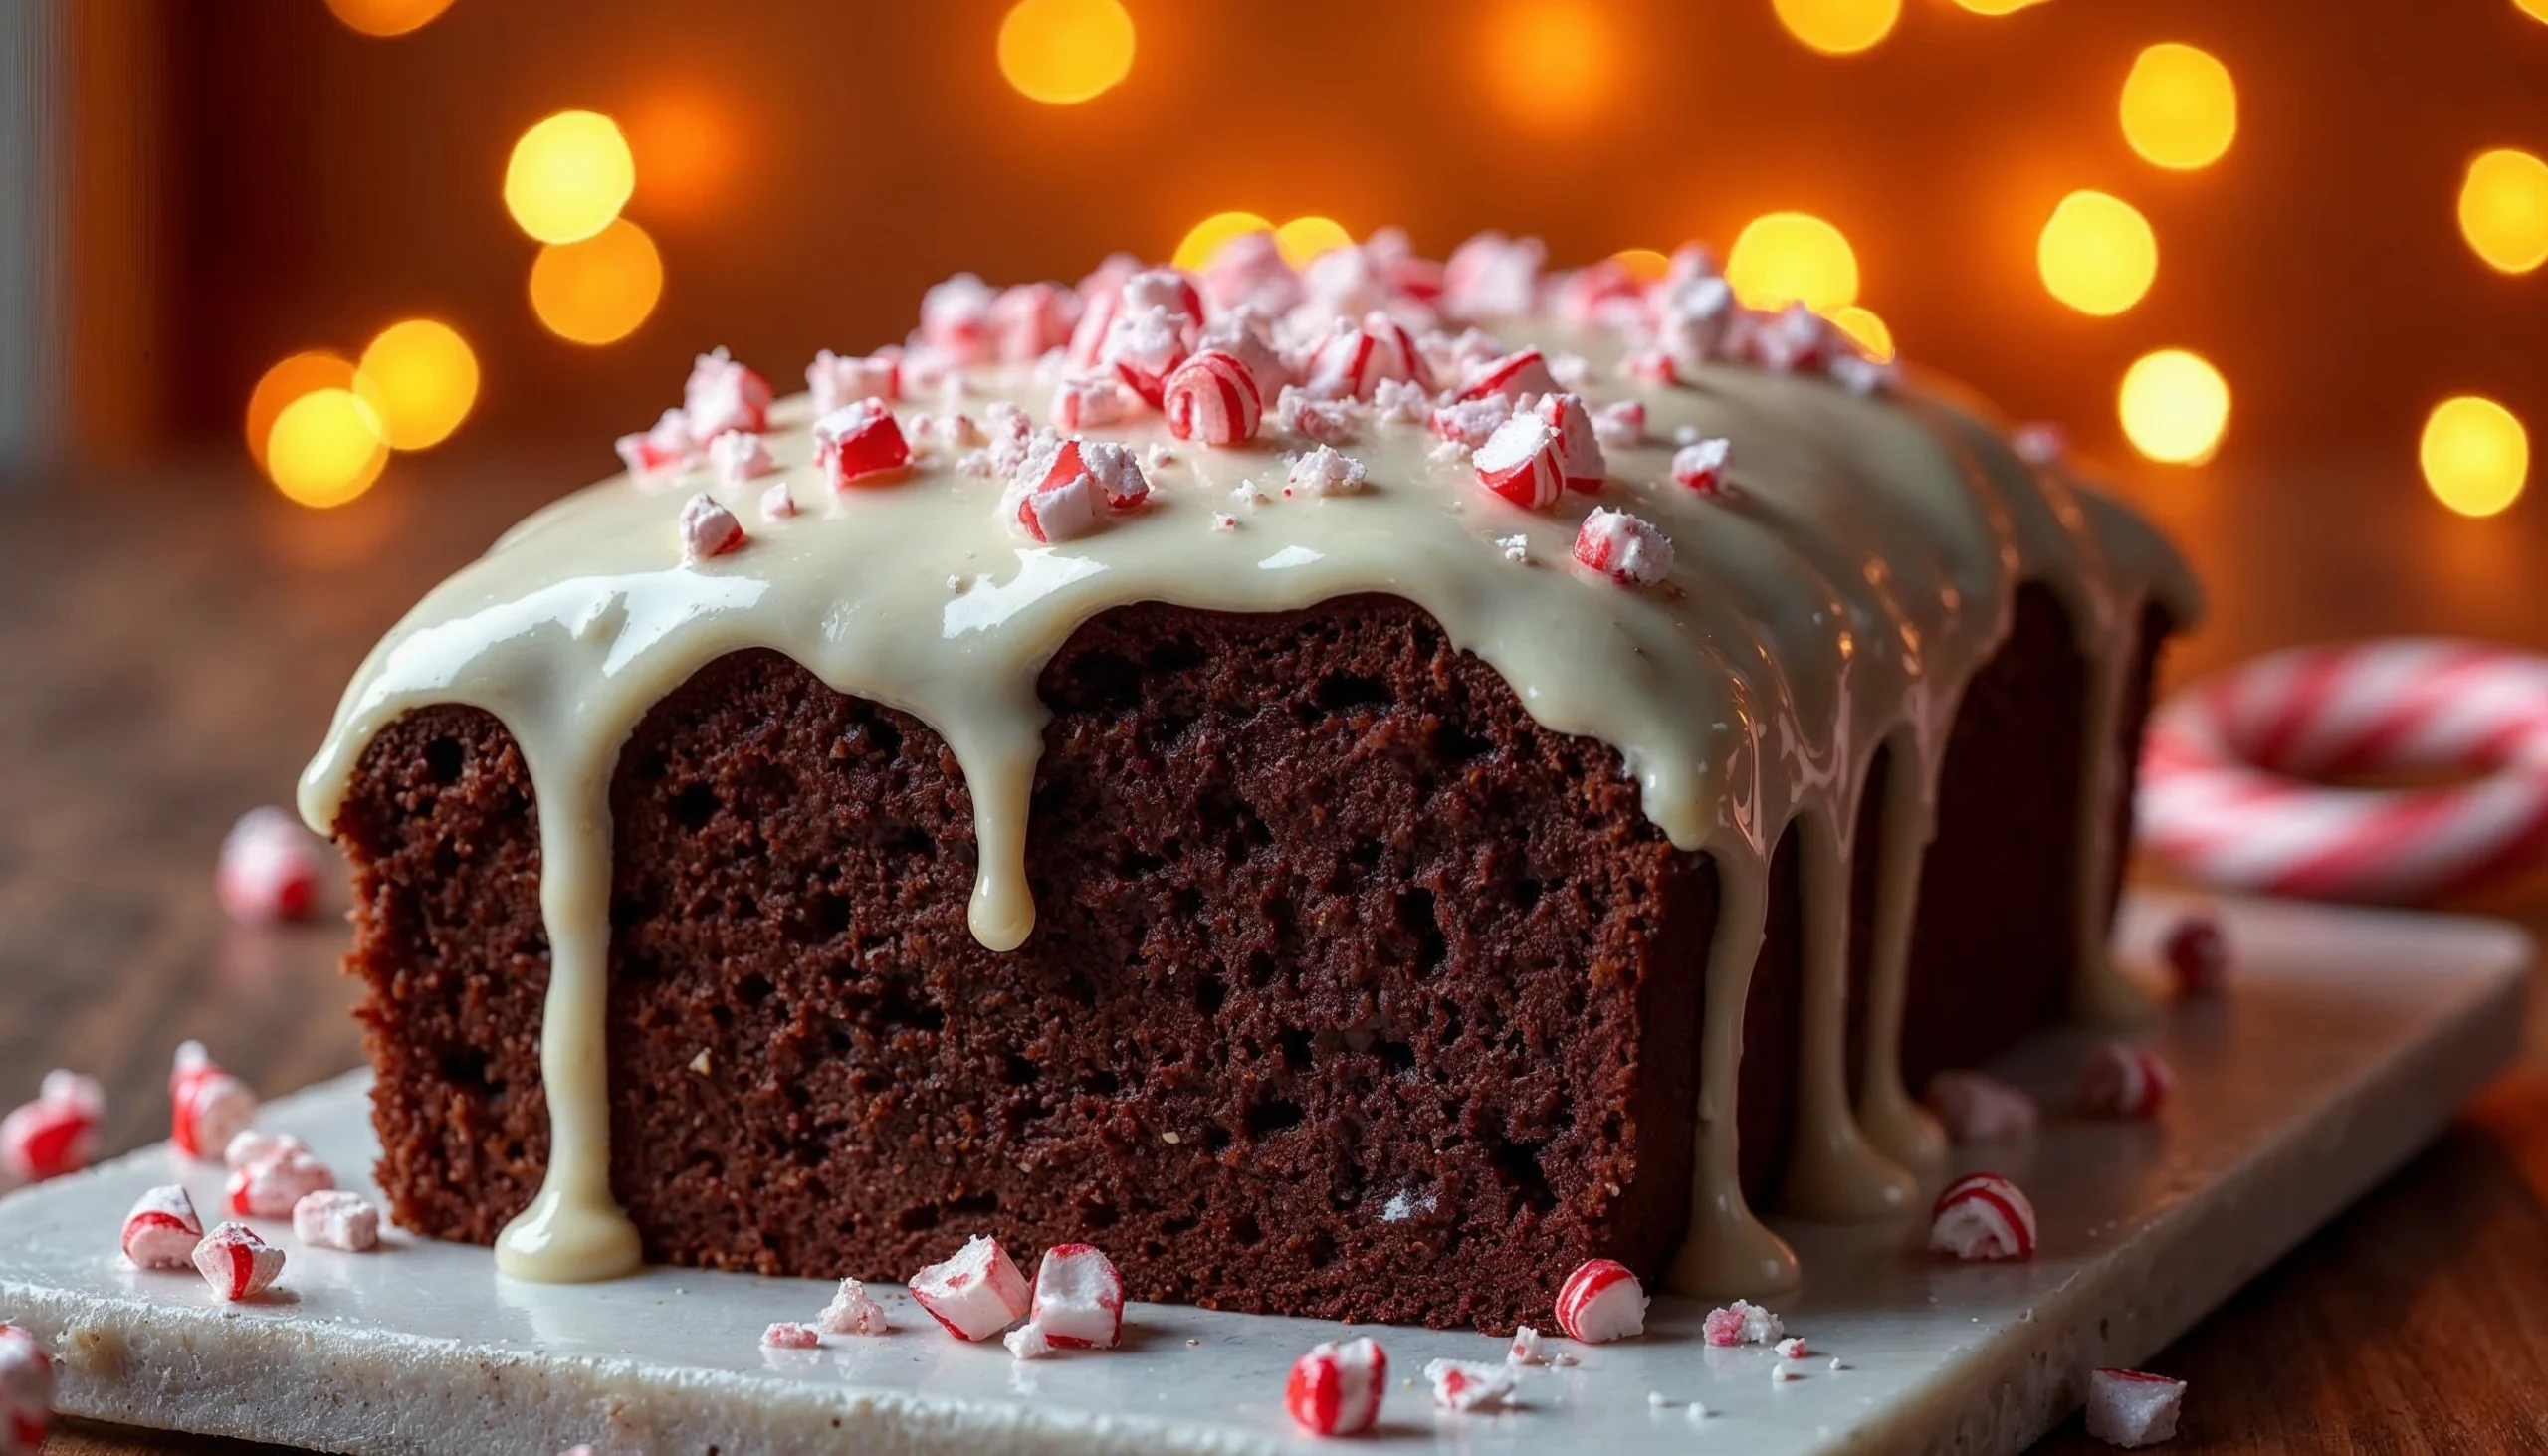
[[2350, 1039]]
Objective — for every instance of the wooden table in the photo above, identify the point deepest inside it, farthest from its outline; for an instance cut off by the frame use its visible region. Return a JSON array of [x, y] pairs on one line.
[[174, 647]]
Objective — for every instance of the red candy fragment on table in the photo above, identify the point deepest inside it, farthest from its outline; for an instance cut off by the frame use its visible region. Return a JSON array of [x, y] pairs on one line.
[[843, 379], [26, 1392], [1622, 423], [789, 1336], [2198, 954], [1650, 366], [1213, 399], [1513, 375], [268, 869], [269, 1186], [852, 1310], [1741, 1322], [723, 395], [1466, 1385], [860, 442], [1629, 550], [1079, 1298], [332, 1218], [207, 1107], [2133, 1407], [1793, 1348], [254, 1146], [236, 1262], [1524, 461], [1351, 363], [162, 1229], [708, 529], [1027, 1342], [1336, 1389], [1526, 1347], [1599, 1302], [1701, 465], [1578, 449], [56, 1133], [1977, 1109], [975, 1294], [1983, 1217], [2125, 1082]]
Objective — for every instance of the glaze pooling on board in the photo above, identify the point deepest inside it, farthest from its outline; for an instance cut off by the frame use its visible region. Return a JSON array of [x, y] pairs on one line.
[[1837, 599]]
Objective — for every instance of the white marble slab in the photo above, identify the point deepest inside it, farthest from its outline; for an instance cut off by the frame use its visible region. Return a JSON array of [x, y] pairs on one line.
[[2352, 1037]]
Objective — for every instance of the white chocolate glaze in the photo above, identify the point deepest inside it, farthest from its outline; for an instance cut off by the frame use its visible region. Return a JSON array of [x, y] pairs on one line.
[[1837, 598]]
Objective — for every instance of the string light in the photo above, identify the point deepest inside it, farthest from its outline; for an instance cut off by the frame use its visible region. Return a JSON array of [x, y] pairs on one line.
[[386, 17], [1205, 238], [2097, 252], [1793, 257], [569, 177], [326, 448], [1548, 62], [2175, 406], [2180, 107], [421, 378], [1645, 265], [1838, 27], [599, 290], [1869, 333], [2503, 209], [2476, 454], [1064, 52], [299, 375], [1304, 237]]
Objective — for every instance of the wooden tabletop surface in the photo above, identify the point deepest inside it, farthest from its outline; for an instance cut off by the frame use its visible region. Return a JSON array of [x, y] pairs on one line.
[[173, 647]]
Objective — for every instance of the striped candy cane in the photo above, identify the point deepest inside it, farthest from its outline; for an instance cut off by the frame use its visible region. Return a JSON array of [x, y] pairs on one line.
[[2231, 776]]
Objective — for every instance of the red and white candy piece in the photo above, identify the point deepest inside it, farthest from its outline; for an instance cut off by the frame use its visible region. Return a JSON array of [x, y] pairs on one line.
[[1471, 422], [859, 442], [1793, 1348], [1213, 399], [56, 1133], [1602, 1301], [954, 319], [1650, 366], [708, 529], [254, 1147], [1469, 1384], [778, 503], [1061, 485], [1513, 375], [2127, 1082], [1324, 471], [271, 1186], [1029, 319], [788, 1335], [1524, 461], [1526, 1347], [1578, 449], [2198, 954], [1629, 550], [975, 1294], [1982, 1216], [1741, 1322], [1977, 1109], [26, 1394], [2133, 1407], [1144, 346], [1079, 1298], [738, 456], [1099, 399], [723, 395], [1299, 412], [333, 1218], [162, 1229], [1622, 423], [1027, 1342], [236, 1262], [1336, 1389], [852, 1310], [1492, 275], [843, 379], [1351, 363], [207, 1107], [667, 445], [1701, 465], [268, 869]]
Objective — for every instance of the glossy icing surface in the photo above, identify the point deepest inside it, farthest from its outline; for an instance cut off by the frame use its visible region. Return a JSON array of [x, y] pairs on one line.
[[1833, 597]]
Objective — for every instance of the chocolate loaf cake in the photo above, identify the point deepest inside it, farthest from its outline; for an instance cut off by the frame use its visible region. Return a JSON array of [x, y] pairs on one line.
[[1366, 845]]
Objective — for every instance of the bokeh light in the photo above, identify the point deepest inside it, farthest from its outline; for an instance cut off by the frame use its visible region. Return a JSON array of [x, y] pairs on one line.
[[2097, 252], [421, 377], [1205, 238], [2175, 406], [1645, 265], [1838, 27], [2535, 9], [2180, 107], [1793, 257], [2476, 454], [2503, 209], [1304, 237], [386, 17], [326, 448], [687, 150], [569, 177], [302, 374], [1997, 7], [1064, 52], [1548, 62], [1870, 333], [599, 290]]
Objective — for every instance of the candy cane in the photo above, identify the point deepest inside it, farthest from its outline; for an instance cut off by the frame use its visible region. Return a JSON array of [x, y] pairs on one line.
[[2227, 792]]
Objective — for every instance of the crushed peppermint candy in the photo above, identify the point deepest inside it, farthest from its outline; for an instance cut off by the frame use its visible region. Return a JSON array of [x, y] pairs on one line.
[[1324, 471], [954, 319], [720, 396], [708, 529], [665, 448], [268, 869], [1700, 464], [2126, 1081], [1743, 1322], [1084, 403], [1028, 1342], [1212, 399], [1602, 1301], [1620, 424], [333, 1218], [1629, 550], [1524, 461], [1078, 1300], [1401, 402], [1224, 520], [860, 442], [162, 1229], [236, 1262], [269, 1186], [2041, 444], [788, 1335], [2131, 1408], [738, 455], [1514, 376], [207, 1107], [1299, 412], [1336, 1389], [1579, 446], [1471, 422], [57, 1134], [1514, 547], [973, 1294], [1791, 1348], [1463, 1384], [778, 503], [1984, 1217], [1526, 1348], [852, 1310], [1650, 365], [841, 379]]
